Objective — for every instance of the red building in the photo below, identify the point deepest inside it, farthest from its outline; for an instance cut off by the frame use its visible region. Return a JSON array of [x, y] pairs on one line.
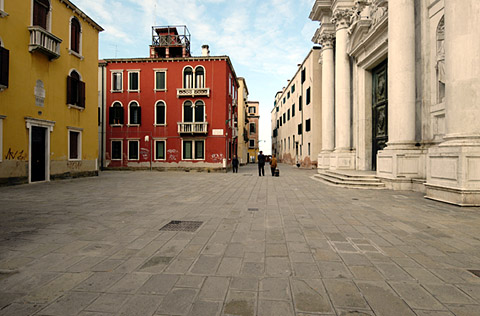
[[170, 110]]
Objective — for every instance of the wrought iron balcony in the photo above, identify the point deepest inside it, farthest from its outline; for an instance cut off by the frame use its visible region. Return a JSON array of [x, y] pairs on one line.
[[193, 128], [193, 92], [44, 42]]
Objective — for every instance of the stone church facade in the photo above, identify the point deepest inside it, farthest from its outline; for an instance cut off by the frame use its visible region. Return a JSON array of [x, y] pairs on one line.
[[401, 93]]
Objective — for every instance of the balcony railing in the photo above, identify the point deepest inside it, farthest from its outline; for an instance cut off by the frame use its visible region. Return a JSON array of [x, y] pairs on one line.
[[193, 92], [44, 42], [192, 128]]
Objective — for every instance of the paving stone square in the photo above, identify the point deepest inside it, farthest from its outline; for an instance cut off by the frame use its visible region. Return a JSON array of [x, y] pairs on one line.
[[94, 246]]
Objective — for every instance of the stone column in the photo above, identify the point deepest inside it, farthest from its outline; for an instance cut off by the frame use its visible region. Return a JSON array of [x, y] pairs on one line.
[[401, 161], [342, 81], [462, 91], [401, 74], [453, 168], [342, 157], [328, 99]]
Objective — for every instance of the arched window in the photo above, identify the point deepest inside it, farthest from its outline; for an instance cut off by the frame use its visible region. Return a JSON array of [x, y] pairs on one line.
[[116, 114], [75, 90], [188, 78], [187, 112], [160, 111], [135, 114], [199, 77], [199, 111], [75, 32], [41, 9]]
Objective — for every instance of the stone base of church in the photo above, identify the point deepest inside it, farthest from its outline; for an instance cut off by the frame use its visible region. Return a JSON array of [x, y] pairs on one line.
[[324, 160], [342, 160], [453, 174], [397, 168]]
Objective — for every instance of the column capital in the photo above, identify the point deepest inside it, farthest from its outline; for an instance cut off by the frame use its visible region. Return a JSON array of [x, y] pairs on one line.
[[326, 40], [341, 18]]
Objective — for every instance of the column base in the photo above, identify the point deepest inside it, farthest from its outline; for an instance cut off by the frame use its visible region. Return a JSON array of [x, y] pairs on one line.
[[324, 160], [397, 167], [342, 160], [453, 174]]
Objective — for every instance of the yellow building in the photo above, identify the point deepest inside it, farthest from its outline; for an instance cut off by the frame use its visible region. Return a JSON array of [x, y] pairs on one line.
[[48, 91], [253, 116]]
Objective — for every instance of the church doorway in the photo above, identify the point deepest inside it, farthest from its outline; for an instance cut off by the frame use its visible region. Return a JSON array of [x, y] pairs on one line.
[[379, 111]]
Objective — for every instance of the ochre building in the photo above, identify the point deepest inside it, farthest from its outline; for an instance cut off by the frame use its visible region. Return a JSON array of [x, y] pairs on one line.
[[48, 91]]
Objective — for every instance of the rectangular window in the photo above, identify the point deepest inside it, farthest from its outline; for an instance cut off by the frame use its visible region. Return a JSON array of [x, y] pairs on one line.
[[288, 95], [251, 143], [4, 66], [284, 118], [283, 100], [300, 103], [159, 150], [293, 110], [116, 150], [251, 110], [288, 115], [307, 101], [293, 88], [253, 130], [75, 91], [74, 145], [281, 121], [299, 129], [199, 149], [309, 149], [187, 149], [303, 75], [133, 81], [278, 124], [133, 149], [117, 82], [307, 125], [160, 80], [277, 108]]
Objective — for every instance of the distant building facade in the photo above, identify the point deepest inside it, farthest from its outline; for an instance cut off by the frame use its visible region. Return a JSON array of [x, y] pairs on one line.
[[242, 126], [297, 115], [253, 116], [48, 91], [400, 93], [170, 110]]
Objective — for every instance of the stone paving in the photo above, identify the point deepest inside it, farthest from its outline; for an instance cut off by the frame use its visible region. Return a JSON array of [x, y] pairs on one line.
[[266, 246]]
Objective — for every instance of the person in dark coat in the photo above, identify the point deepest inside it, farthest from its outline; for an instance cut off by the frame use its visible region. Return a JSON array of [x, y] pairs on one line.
[[261, 164], [235, 164]]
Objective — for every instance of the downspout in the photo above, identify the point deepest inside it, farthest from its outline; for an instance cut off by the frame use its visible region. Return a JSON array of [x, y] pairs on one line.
[[102, 116]]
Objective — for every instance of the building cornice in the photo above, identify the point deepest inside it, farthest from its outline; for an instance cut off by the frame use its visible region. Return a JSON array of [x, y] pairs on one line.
[[80, 13]]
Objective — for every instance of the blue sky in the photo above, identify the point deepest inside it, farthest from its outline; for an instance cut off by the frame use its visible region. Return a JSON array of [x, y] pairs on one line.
[[265, 39]]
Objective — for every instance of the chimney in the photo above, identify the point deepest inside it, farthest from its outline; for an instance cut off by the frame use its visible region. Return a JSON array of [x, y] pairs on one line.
[[205, 50]]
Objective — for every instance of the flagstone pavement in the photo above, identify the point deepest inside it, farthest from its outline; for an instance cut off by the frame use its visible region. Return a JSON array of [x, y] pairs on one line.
[[276, 246]]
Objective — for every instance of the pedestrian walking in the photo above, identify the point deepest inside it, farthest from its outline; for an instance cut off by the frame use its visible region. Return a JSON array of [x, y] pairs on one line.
[[235, 164], [261, 164], [273, 165]]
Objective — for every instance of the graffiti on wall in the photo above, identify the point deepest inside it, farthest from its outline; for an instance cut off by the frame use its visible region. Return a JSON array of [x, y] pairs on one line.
[[144, 152], [217, 157], [15, 154], [172, 154]]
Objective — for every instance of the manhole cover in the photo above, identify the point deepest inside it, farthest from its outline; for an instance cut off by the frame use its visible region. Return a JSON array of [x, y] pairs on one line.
[[475, 272], [182, 226], [253, 209]]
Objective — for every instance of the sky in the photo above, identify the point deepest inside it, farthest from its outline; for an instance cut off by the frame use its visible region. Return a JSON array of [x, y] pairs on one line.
[[265, 39]]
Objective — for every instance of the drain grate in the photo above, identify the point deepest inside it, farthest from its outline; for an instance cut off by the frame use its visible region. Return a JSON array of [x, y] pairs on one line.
[[253, 209], [182, 226], [475, 272]]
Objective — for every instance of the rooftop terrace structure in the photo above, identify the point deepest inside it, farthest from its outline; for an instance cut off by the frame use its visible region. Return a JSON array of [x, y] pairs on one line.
[[170, 42]]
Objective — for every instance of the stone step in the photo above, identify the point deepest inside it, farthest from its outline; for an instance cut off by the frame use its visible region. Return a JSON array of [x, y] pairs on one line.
[[349, 182], [342, 177]]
